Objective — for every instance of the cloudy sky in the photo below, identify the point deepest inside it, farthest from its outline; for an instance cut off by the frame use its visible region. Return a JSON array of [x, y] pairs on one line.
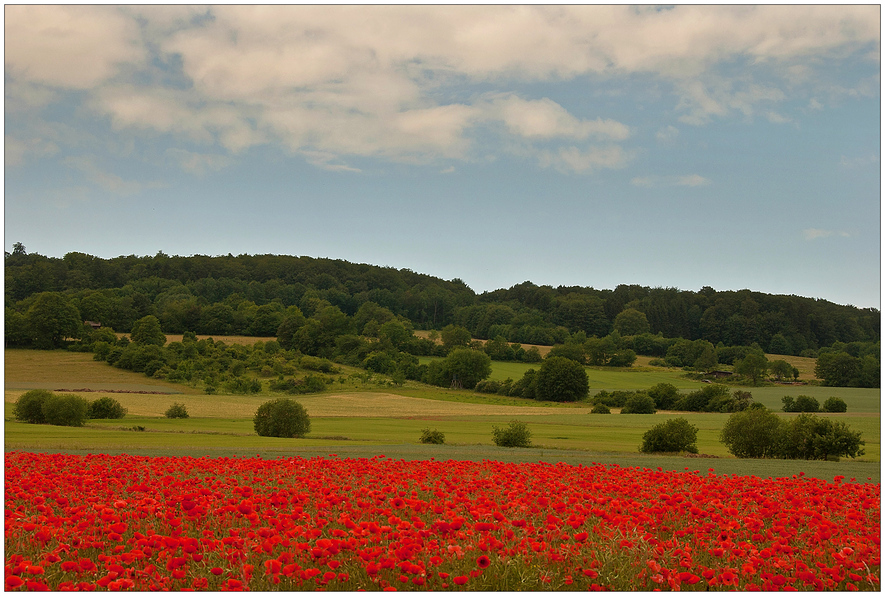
[[732, 147]]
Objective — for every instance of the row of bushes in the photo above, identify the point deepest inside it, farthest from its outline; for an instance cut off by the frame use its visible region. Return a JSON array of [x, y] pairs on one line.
[[760, 433], [515, 434], [40, 406]]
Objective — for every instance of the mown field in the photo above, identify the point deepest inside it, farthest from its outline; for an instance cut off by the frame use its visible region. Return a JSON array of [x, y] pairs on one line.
[[364, 419]]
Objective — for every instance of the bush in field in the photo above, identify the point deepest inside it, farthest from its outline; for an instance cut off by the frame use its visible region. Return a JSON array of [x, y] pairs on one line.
[[802, 403], [665, 395], [488, 386], [755, 432], [811, 437], [106, 407], [29, 407], [674, 435], [639, 403], [600, 409], [834, 404], [561, 379], [516, 434], [177, 410], [432, 437], [284, 418], [66, 409]]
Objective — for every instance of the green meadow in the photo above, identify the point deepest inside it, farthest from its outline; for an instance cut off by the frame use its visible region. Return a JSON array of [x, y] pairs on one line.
[[366, 419]]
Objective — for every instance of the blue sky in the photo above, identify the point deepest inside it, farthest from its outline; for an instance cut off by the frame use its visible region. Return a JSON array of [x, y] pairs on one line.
[[731, 147]]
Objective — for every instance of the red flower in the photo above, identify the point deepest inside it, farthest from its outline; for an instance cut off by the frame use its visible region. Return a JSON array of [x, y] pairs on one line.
[[460, 580], [483, 562]]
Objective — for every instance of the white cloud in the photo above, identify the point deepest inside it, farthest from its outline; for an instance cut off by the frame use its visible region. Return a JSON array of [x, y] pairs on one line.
[[815, 233], [663, 181], [69, 46], [573, 160], [667, 134], [107, 180], [197, 163], [862, 161], [374, 80]]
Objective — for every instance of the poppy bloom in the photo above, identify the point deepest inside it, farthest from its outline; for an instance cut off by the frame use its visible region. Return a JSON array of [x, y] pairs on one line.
[[483, 561], [460, 580]]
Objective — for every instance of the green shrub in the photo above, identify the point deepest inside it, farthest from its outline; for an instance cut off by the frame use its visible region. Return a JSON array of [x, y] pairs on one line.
[[755, 432], [66, 409], [177, 410], [488, 386], [517, 434], [283, 417], [811, 437], [106, 407], [561, 379], [665, 395], [835, 404], [432, 437], [674, 435], [29, 407], [639, 403], [600, 409], [802, 403]]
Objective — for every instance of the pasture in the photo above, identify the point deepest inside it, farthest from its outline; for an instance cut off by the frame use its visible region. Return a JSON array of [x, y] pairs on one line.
[[366, 419]]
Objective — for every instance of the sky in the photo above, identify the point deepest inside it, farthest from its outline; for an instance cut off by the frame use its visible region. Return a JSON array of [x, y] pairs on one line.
[[732, 147]]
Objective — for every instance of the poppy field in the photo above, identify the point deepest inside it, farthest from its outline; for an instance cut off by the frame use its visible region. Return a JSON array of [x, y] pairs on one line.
[[99, 522]]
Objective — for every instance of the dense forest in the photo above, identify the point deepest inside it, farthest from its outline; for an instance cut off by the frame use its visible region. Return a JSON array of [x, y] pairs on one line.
[[249, 295]]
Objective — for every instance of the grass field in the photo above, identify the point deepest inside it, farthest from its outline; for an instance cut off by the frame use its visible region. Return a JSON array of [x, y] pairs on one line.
[[371, 420]]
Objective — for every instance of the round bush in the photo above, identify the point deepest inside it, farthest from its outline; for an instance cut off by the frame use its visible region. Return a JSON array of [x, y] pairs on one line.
[[674, 435], [29, 407], [600, 409], [283, 417], [177, 410], [66, 409], [639, 403], [834, 404], [517, 434], [432, 437], [106, 407], [755, 432], [561, 379]]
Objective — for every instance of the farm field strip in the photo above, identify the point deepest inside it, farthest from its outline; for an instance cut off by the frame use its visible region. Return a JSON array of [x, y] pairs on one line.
[[295, 524]]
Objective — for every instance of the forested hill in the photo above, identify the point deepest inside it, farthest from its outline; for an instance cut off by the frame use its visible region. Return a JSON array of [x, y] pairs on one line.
[[249, 294]]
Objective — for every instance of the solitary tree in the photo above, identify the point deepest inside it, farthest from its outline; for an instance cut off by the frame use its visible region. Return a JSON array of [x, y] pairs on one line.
[[283, 417], [673, 435], [146, 331], [52, 318], [753, 366], [561, 379], [468, 367], [754, 432]]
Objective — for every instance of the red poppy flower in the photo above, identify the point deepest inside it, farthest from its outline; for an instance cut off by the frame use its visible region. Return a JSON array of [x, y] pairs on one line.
[[483, 561]]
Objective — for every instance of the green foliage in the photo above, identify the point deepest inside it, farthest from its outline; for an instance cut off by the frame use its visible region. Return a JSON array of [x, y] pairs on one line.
[[753, 366], [308, 384], [834, 404], [516, 434], [664, 395], [488, 386], [673, 435], [839, 368], [29, 406], [146, 331], [811, 437], [455, 336], [106, 408], [65, 409], [561, 379], [284, 418], [467, 366], [755, 432], [639, 403], [698, 401], [177, 410], [802, 403], [780, 369], [52, 318], [526, 387], [600, 409], [432, 437], [631, 322]]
